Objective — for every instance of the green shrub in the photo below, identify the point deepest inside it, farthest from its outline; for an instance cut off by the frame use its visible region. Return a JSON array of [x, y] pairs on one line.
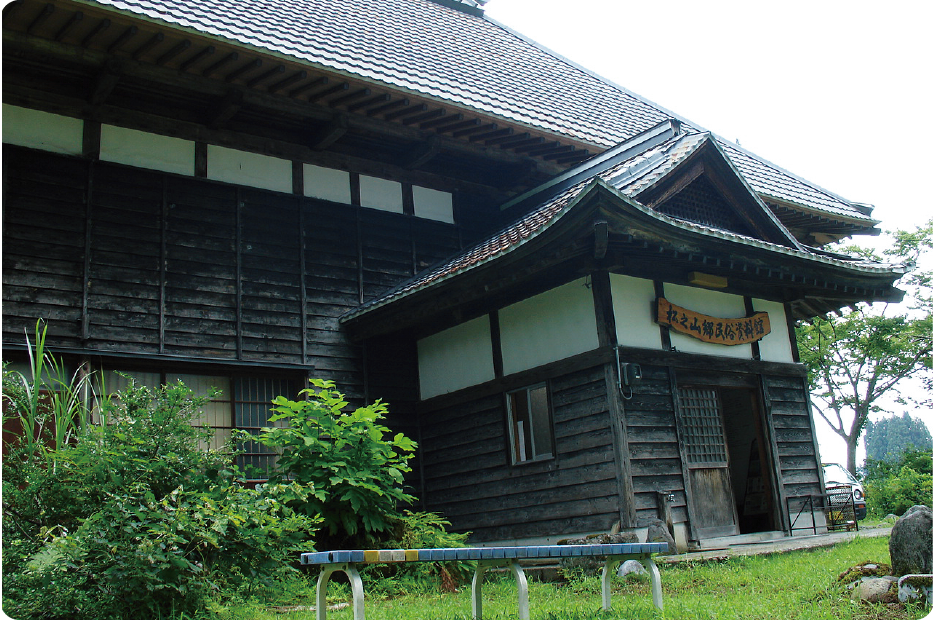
[[354, 463], [132, 518], [420, 530], [143, 557], [893, 488]]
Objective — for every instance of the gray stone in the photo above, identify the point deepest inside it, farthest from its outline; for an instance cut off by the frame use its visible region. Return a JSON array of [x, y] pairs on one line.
[[593, 565], [873, 589], [911, 542], [916, 589], [630, 567], [659, 533]]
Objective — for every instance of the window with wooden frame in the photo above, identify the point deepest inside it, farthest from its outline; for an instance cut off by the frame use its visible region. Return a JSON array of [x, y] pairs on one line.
[[240, 402], [530, 427]]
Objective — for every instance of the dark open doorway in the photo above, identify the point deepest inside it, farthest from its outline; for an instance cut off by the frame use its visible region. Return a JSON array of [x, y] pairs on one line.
[[726, 462], [749, 470]]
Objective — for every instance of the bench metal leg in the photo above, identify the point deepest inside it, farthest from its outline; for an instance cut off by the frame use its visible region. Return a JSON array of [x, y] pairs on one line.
[[321, 590], [605, 587], [476, 597], [656, 578], [610, 568]]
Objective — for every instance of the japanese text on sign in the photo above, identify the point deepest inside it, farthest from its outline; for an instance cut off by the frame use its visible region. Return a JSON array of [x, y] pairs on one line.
[[713, 329]]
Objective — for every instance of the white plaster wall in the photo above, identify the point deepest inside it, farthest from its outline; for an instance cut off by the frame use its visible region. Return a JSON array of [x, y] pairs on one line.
[[456, 358], [253, 169], [327, 183], [711, 303], [548, 327], [634, 309], [147, 150], [42, 130], [776, 346], [433, 204], [380, 194]]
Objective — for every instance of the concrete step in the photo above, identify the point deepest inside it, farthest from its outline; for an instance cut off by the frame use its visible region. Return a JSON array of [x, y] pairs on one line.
[[726, 542]]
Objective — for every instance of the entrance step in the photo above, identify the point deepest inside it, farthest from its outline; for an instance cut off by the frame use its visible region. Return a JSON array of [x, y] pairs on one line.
[[725, 542]]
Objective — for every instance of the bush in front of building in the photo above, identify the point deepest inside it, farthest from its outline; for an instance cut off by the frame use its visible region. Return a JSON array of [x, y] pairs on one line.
[[131, 517], [354, 464], [894, 487]]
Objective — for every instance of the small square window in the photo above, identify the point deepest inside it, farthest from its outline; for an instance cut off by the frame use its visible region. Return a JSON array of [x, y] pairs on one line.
[[530, 424]]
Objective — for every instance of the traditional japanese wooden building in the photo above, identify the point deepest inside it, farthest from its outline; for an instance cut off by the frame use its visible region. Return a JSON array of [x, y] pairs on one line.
[[578, 303]]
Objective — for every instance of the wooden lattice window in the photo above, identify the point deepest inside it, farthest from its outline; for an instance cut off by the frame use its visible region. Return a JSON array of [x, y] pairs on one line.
[[702, 426], [702, 204]]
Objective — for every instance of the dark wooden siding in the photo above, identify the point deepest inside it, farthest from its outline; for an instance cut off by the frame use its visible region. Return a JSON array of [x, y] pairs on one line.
[[469, 479], [43, 265], [786, 399], [125, 247], [200, 270], [655, 461]]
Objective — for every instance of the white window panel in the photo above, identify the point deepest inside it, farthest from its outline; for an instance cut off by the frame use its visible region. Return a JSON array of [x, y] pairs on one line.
[[42, 130], [380, 194], [433, 204], [147, 150]]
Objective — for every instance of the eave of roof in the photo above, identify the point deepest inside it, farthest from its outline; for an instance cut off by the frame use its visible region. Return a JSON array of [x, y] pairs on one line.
[[437, 52], [539, 221]]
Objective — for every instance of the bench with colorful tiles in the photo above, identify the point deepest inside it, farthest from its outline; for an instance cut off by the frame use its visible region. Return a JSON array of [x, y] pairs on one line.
[[486, 558]]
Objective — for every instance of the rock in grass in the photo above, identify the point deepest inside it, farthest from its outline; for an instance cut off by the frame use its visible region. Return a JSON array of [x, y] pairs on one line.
[[876, 589], [865, 569], [910, 542], [630, 567], [659, 533], [592, 565]]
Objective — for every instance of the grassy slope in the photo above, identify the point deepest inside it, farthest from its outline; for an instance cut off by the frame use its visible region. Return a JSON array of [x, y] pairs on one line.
[[799, 585]]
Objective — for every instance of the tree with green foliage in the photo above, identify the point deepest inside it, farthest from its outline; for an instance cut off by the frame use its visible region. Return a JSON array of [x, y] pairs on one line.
[[888, 438], [892, 487], [856, 358], [354, 463]]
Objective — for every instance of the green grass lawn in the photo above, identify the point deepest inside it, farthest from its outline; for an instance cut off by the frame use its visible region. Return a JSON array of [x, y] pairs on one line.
[[800, 584]]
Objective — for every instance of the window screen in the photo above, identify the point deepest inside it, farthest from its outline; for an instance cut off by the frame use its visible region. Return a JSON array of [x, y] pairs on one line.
[[242, 403], [530, 424]]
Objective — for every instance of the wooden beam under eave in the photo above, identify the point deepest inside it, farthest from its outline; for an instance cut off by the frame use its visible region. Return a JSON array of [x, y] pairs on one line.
[[424, 154], [226, 109], [331, 134], [151, 77], [105, 82]]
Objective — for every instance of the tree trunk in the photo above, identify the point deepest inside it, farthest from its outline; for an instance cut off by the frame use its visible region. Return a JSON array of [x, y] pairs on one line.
[[851, 453]]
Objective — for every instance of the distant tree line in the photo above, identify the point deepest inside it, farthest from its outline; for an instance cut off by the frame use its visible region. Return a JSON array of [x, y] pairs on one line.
[[888, 438]]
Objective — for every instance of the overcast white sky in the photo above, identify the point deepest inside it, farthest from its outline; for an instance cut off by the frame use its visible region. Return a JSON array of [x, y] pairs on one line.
[[835, 92]]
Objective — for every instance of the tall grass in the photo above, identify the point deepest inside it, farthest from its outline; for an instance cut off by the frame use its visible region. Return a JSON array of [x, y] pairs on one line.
[[51, 405]]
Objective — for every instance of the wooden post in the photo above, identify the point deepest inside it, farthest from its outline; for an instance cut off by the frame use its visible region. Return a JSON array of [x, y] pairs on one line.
[[664, 510], [606, 333]]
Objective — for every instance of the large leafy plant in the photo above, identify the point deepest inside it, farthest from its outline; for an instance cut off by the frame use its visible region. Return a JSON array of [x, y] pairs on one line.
[[354, 463], [132, 518]]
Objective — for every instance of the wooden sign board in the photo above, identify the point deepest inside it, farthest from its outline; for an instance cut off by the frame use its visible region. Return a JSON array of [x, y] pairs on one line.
[[712, 329]]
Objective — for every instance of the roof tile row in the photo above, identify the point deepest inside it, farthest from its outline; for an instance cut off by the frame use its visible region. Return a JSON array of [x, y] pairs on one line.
[[427, 48]]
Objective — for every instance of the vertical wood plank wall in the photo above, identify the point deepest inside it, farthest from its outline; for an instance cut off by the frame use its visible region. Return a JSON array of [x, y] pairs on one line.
[[157, 263], [469, 478], [798, 459], [655, 462]]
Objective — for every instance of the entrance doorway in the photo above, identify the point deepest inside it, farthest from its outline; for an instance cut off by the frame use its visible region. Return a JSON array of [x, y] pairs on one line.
[[725, 461]]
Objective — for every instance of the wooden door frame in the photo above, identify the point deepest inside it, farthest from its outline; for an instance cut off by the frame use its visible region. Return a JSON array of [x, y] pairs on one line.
[[752, 382]]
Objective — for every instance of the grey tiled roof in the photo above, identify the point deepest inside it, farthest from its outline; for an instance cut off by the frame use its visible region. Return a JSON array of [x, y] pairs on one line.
[[471, 61], [628, 178]]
